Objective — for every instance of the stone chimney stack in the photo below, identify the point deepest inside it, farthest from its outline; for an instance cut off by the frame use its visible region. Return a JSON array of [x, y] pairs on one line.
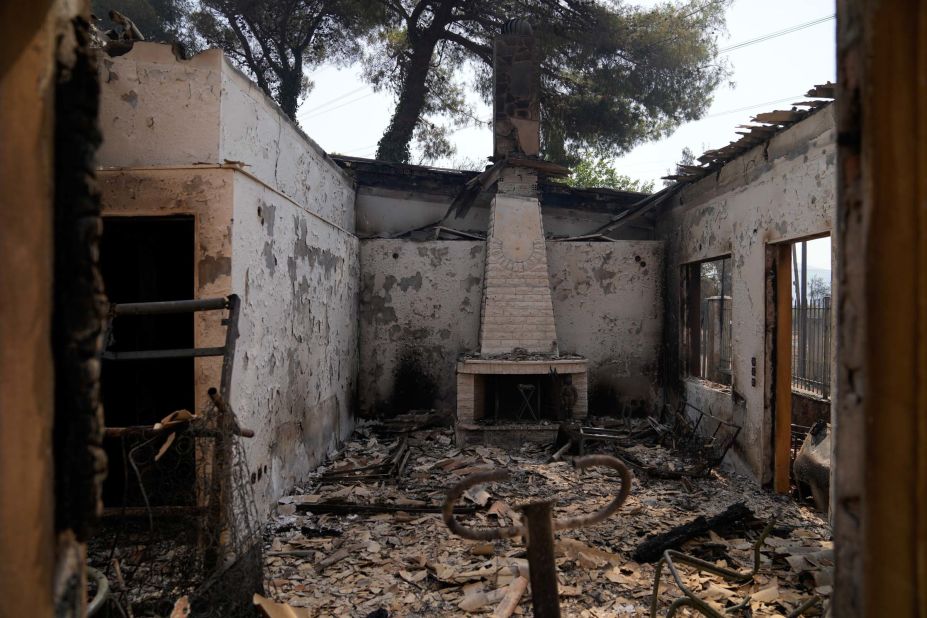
[[516, 83], [517, 312]]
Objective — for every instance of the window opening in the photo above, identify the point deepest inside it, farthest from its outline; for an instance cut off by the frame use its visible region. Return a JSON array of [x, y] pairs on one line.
[[709, 327]]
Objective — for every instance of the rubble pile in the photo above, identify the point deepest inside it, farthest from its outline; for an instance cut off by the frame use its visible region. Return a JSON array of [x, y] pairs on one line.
[[380, 548]]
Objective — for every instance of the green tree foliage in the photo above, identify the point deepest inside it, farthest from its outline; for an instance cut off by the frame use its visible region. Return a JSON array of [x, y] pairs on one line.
[[613, 75], [598, 173], [687, 157], [276, 40], [165, 21]]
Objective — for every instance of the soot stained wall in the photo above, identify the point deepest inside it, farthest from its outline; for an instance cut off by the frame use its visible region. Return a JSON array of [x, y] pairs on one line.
[[421, 300], [777, 193], [608, 306], [274, 221], [296, 362], [419, 309]]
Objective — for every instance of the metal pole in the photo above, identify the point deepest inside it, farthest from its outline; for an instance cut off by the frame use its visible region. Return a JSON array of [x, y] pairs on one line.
[[170, 306], [803, 331], [721, 320], [541, 562], [162, 354]]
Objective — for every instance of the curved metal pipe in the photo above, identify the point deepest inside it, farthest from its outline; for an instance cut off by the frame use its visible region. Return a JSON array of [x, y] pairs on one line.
[[671, 556], [476, 534], [102, 594], [581, 521]]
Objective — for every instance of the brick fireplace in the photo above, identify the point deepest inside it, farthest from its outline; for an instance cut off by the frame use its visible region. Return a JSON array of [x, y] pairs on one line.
[[518, 378]]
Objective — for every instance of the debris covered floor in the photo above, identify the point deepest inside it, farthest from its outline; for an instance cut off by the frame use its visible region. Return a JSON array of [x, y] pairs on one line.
[[407, 563]]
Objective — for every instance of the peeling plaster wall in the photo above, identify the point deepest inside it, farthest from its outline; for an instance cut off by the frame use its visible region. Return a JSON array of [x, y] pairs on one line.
[[296, 361], [424, 298], [386, 212], [254, 131], [207, 195], [274, 224], [418, 298], [156, 110], [608, 306], [785, 191]]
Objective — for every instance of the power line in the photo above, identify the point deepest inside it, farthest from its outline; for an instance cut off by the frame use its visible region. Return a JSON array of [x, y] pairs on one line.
[[778, 33], [330, 101], [369, 94], [363, 149], [684, 16], [749, 107]]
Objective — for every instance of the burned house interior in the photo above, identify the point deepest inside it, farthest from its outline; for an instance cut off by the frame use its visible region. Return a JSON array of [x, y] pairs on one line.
[[242, 376]]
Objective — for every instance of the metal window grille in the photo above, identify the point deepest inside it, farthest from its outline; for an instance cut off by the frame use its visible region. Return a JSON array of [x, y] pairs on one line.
[[811, 346], [715, 341]]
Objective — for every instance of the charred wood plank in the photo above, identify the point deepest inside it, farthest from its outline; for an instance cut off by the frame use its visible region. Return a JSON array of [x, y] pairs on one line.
[[651, 548], [349, 508], [161, 512]]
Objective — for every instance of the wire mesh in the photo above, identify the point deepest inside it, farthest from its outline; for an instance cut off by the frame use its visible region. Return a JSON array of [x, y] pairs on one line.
[[188, 524]]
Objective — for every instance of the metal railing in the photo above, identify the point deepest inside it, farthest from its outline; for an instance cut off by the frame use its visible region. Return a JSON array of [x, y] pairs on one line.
[[715, 339], [811, 347]]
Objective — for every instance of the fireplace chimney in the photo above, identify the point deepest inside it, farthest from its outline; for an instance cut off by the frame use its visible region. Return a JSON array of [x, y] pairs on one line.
[[517, 312], [516, 82], [518, 374]]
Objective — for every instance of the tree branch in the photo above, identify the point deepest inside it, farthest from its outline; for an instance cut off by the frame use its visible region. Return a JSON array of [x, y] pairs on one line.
[[395, 7], [249, 56], [484, 53]]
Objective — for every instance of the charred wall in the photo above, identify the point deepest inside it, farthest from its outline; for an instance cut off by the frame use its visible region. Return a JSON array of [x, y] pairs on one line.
[[274, 220], [608, 306], [51, 315], [296, 360], [419, 310], [781, 191]]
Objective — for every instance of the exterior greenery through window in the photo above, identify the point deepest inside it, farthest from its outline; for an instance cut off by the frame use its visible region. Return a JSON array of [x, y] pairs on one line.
[[707, 340]]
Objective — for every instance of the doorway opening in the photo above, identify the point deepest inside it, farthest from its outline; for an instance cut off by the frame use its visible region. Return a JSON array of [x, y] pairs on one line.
[[147, 259], [799, 350]]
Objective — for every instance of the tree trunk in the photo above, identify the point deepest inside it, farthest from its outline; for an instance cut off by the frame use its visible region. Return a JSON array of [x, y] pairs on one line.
[[394, 145], [288, 94]]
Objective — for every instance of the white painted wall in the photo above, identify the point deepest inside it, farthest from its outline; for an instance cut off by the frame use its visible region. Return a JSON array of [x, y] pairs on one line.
[[782, 192], [158, 111], [296, 360], [254, 131], [608, 306], [425, 297], [419, 298], [279, 234]]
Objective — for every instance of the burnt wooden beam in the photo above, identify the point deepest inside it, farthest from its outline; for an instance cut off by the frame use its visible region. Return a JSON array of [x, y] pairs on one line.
[[349, 508], [654, 545]]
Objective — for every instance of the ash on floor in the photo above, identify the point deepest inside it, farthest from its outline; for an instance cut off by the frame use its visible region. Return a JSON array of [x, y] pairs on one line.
[[403, 563]]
